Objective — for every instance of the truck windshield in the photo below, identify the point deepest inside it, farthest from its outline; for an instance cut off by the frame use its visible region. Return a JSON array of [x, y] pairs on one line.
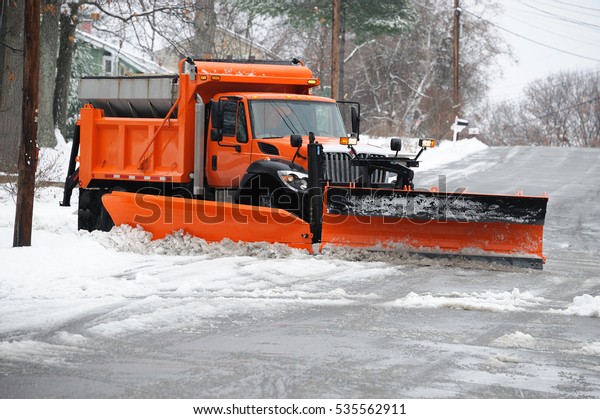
[[280, 118]]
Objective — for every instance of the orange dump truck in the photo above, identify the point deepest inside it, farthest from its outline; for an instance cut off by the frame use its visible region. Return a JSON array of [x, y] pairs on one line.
[[243, 150]]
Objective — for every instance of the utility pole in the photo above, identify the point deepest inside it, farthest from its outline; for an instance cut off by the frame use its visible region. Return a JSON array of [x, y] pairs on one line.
[[28, 149], [335, 50], [457, 13]]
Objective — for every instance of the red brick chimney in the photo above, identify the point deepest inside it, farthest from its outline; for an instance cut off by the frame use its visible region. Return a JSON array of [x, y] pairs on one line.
[[86, 26]]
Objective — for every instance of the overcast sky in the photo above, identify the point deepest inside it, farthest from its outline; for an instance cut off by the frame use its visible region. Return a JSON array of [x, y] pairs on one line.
[[571, 26]]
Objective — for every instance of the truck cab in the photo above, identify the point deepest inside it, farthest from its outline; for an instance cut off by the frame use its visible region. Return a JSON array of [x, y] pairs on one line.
[[250, 141]]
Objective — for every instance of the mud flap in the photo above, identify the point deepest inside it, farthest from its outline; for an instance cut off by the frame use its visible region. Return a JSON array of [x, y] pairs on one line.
[[504, 228], [209, 220]]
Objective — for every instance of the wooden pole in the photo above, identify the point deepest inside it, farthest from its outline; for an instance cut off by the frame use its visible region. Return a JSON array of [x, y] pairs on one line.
[[28, 148], [335, 50], [457, 12]]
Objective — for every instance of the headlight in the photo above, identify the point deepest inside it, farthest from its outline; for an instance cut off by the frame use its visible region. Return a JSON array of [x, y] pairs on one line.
[[296, 181]]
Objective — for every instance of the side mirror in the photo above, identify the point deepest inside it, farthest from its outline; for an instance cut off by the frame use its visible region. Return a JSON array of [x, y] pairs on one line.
[[396, 144], [355, 115], [296, 140], [216, 134]]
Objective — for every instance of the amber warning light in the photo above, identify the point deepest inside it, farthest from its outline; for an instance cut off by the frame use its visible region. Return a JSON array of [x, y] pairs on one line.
[[348, 140], [426, 143]]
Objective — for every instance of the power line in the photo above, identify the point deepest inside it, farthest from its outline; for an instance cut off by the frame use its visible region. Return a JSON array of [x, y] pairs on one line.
[[576, 5], [529, 39], [553, 18], [567, 9], [559, 17], [551, 32]]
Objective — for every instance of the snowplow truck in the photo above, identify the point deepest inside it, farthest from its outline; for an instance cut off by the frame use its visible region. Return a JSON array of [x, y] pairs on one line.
[[244, 151]]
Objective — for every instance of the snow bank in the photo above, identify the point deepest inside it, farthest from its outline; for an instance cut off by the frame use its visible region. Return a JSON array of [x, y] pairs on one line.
[[583, 305], [591, 349], [487, 301], [72, 339], [449, 151], [31, 351], [445, 151], [137, 240], [516, 340]]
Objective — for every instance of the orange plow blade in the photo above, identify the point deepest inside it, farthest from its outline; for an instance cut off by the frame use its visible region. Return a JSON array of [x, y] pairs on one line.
[[211, 221], [501, 228]]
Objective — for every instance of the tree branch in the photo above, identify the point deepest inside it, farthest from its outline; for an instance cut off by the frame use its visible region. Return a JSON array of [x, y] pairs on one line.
[[356, 49], [133, 15]]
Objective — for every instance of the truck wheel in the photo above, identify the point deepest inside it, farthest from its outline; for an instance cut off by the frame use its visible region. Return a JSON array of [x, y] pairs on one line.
[[257, 192], [86, 216], [265, 200], [91, 214], [105, 221]]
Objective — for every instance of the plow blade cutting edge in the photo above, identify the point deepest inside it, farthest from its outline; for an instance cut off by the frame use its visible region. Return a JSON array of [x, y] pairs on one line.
[[209, 220], [502, 228]]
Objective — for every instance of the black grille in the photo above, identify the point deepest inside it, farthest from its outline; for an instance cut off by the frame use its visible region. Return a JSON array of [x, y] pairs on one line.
[[268, 149], [339, 170]]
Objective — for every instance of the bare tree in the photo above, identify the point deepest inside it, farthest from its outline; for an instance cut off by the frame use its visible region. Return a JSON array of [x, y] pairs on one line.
[[561, 110], [405, 81], [167, 30], [140, 20], [11, 82], [49, 36], [147, 25], [205, 23], [68, 24]]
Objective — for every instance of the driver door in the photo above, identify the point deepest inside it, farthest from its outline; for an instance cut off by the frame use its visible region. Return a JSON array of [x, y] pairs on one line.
[[229, 158]]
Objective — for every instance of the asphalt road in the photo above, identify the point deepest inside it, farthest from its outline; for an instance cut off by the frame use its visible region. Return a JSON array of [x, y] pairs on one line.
[[464, 332]]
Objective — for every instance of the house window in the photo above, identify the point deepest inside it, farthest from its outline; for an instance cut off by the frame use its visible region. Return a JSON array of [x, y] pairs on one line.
[[107, 65]]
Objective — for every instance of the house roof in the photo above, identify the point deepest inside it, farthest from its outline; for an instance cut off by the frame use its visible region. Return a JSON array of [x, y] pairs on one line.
[[132, 59], [144, 65], [249, 43]]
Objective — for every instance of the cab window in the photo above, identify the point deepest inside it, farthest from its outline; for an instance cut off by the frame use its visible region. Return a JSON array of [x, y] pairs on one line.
[[229, 118], [234, 121], [241, 133]]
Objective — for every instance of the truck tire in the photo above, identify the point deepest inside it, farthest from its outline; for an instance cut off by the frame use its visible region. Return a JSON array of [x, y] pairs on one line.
[[105, 222], [258, 192], [91, 214]]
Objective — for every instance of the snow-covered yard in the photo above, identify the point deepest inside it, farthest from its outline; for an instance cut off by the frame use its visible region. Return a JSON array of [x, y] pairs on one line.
[[118, 315]]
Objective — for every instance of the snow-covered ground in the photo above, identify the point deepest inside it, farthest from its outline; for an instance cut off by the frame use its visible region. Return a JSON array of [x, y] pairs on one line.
[[118, 315]]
